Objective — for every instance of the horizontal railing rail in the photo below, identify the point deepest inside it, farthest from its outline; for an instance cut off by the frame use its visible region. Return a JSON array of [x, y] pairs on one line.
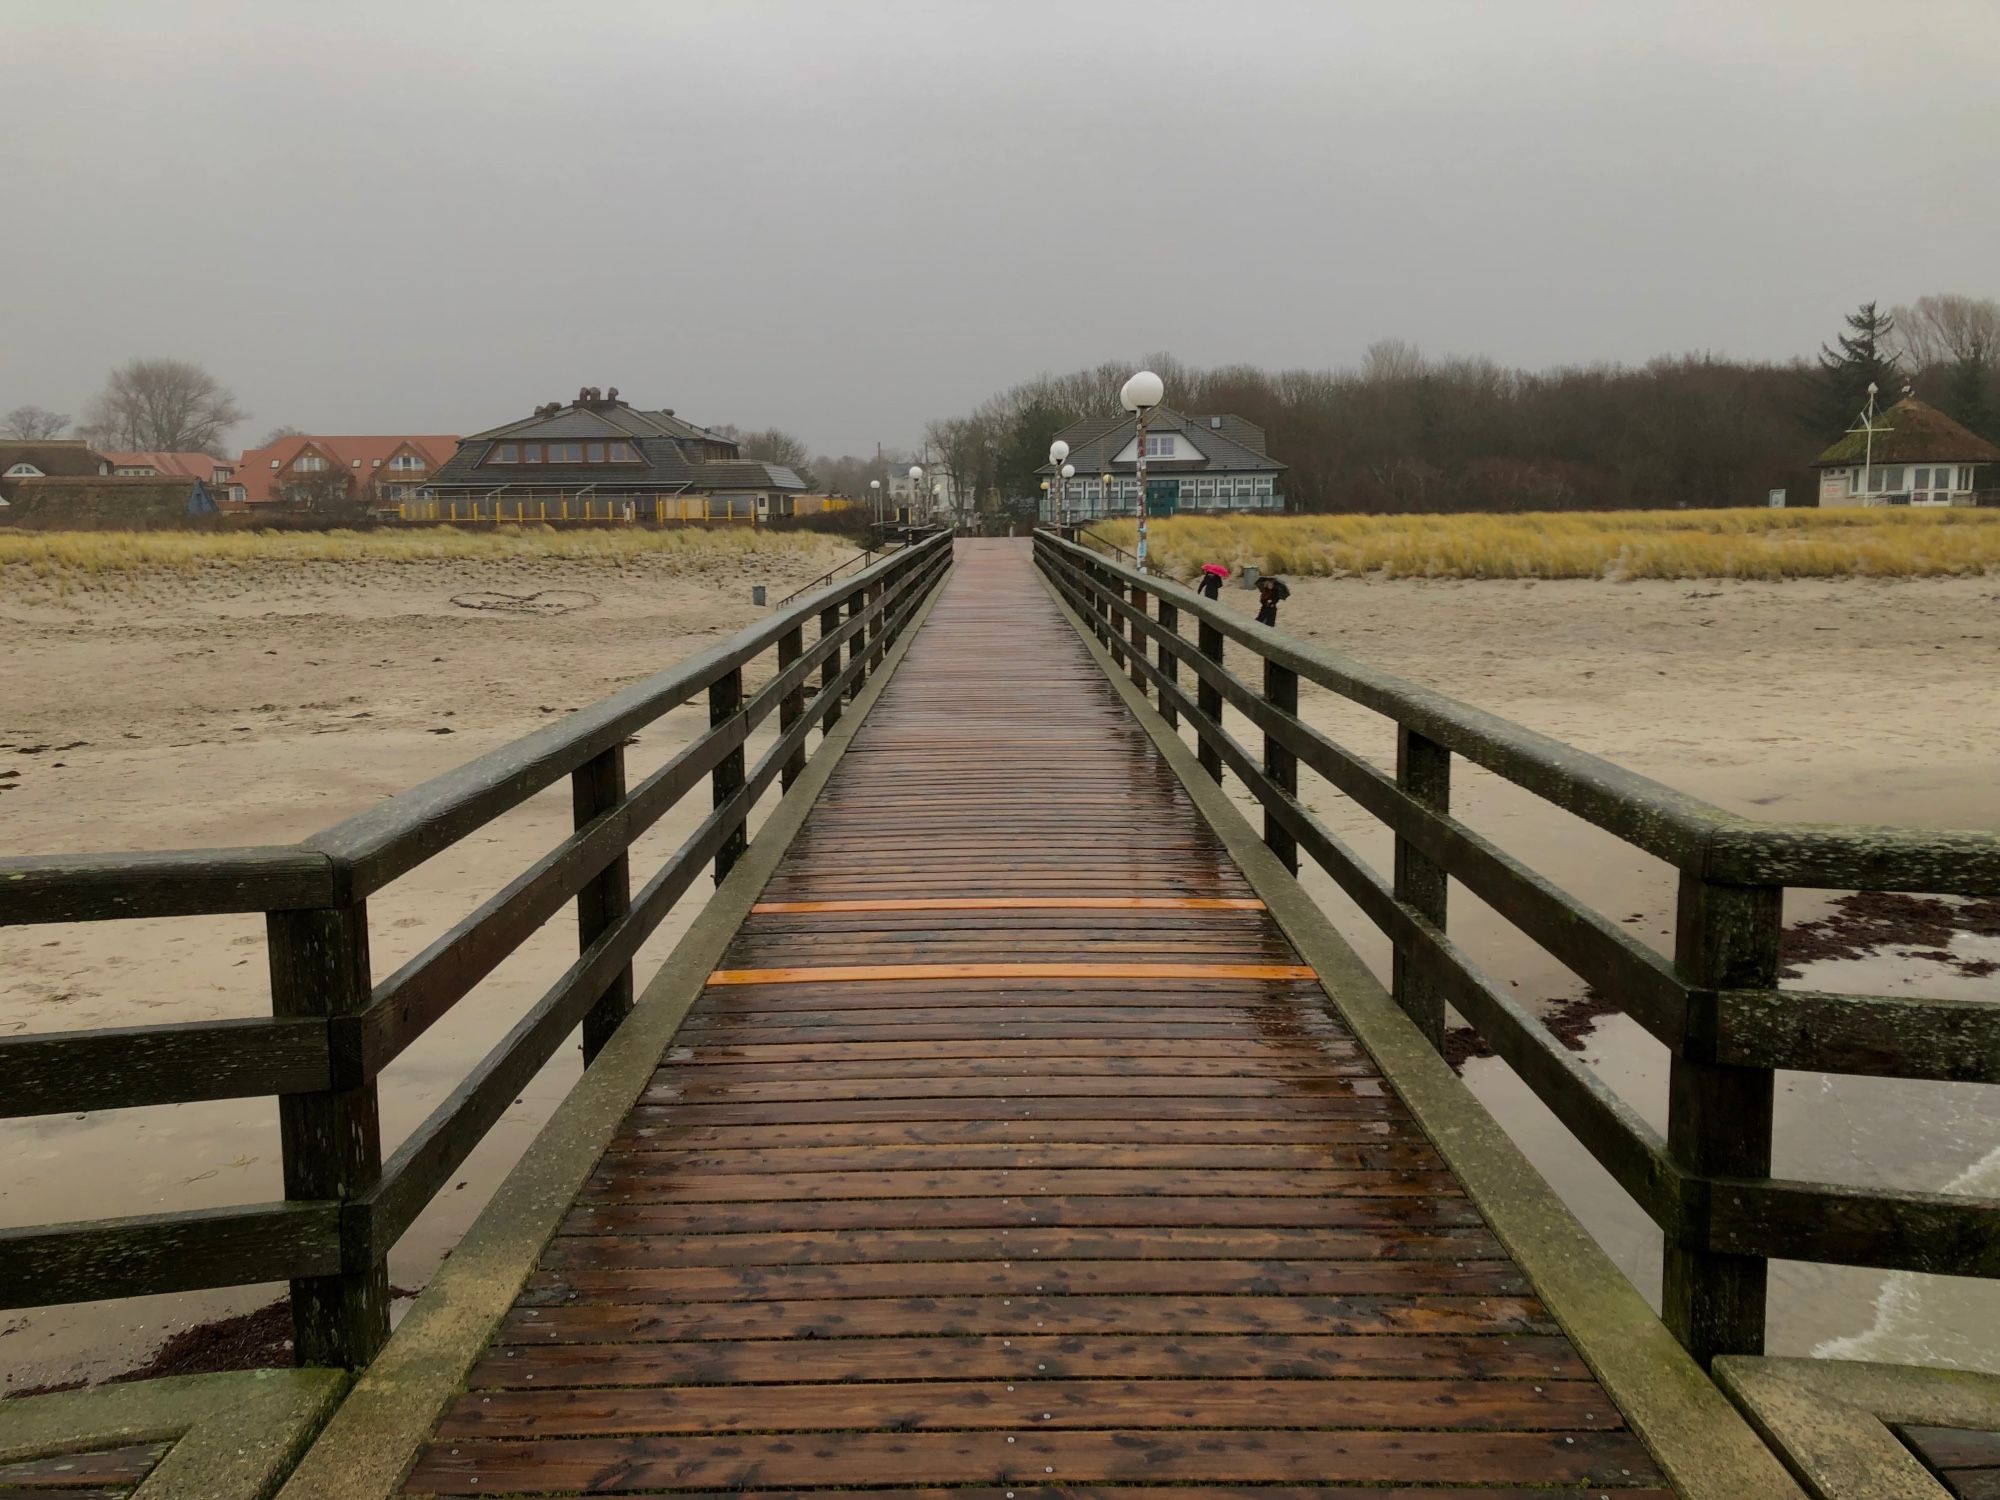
[[334, 1029], [860, 559], [1716, 1003]]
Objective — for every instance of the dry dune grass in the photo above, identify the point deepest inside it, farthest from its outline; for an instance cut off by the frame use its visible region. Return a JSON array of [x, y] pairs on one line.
[[1763, 543], [48, 554]]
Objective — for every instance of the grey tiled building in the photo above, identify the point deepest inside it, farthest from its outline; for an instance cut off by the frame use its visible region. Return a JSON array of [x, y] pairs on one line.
[[1193, 465], [601, 453]]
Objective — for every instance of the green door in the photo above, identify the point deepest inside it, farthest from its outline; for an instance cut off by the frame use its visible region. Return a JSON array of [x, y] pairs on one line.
[[1162, 496]]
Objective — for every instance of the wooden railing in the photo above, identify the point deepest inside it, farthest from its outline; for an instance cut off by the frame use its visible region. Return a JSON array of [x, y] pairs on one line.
[[1715, 1004], [861, 559], [334, 1027]]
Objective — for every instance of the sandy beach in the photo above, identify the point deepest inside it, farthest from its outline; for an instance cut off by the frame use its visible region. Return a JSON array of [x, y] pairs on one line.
[[257, 705]]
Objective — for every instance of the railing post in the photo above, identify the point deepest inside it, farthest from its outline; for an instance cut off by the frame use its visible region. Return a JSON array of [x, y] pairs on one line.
[[1170, 664], [856, 643], [1114, 628], [1281, 691], [725, 699], [1208, 699], [331, 1141], [1718, 1118], [597, 786], [1423, 769], [829, 669], [792, 707], [876, 626], [1139, 640]]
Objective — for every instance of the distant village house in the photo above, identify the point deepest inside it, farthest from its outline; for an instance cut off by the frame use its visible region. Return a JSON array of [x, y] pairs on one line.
[[1193, 464], [600, 458], [317, 472], [42, 457], [212, 471], [1915, 455]]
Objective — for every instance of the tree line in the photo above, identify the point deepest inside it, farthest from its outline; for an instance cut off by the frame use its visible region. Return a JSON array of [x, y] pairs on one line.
[[1403, 432], [1410, 432]]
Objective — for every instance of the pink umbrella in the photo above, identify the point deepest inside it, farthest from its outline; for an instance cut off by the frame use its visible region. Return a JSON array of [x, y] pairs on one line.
[[1215, 570]]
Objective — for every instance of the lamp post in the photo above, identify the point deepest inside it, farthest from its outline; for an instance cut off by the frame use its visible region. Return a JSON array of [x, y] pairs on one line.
[[1141, 394], [1058, 451], [1104, 493], [916, 478], [875, 494], [1067, 472]]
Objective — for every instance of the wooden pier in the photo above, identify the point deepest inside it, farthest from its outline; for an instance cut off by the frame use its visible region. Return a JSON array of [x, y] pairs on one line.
[[1013, 1149]]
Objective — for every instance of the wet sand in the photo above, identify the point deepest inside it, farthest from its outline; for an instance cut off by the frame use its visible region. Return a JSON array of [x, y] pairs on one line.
[[262, 711], [1839, 701], [256, 706]]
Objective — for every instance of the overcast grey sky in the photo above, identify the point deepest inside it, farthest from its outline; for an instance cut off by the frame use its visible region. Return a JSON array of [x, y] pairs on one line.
[[845, 216]]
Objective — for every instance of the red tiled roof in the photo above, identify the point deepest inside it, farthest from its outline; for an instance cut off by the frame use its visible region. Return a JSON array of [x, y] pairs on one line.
[[200, 466], [363, 456]]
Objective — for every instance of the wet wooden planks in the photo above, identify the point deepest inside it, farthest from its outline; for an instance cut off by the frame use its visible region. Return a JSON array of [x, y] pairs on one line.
[[98, 1474], [1966, 1460], [1015, 1150]]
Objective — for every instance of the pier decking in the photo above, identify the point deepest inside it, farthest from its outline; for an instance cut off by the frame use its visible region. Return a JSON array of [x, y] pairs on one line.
[[1013, 1149]]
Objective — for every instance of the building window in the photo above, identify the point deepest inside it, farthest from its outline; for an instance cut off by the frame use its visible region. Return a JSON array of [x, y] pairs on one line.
[[621, 453], [593, 453], [308, 463], [507, 453], [1883, 478], [1264, 485], [565, 453], [1159, 445], [406, 461]]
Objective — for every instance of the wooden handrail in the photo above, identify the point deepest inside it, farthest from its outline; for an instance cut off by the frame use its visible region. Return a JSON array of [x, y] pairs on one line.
[[1716, 1005], [333, 1031]]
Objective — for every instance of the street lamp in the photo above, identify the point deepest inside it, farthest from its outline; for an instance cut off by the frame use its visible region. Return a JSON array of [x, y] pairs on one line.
[[1141, 394], [916, 478], [1066, 473], [1105, 480], [875, 485], [1058, 451]]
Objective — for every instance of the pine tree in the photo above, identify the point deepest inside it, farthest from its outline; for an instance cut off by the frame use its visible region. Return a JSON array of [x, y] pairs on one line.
[[1846, 373]]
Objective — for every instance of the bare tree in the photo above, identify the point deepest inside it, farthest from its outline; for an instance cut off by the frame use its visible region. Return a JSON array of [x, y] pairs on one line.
[[168, 405], [279, 434], [1389, 360], [1947, 328], [33, 422], [773, 445]]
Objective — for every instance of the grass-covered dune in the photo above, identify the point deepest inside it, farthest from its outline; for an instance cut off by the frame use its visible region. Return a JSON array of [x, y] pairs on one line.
[[1762, 543]]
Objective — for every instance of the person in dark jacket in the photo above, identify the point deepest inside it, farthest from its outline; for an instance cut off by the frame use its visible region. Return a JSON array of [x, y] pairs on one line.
[[1209, 585], [1270, 591]]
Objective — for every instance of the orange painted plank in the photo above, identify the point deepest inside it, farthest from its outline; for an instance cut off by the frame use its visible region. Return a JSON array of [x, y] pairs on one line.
[[890, 972], [1022, 903]]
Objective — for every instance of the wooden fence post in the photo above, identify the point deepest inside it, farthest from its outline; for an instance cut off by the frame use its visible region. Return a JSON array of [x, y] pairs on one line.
[[332, 1141], [1170, 664], [1718, 1118], [1208, 698], [1110, 630], [597, 786], [792, 707], [725, 699], [1139, 681], [1281, 691], [856, 643], [1423, 769], [829, 669]]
